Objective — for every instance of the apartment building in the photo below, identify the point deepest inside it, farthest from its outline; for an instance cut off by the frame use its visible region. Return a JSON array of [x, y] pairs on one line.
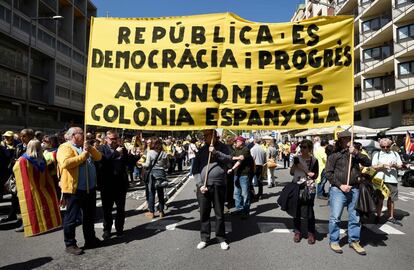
[[55, 97], [384, 57]]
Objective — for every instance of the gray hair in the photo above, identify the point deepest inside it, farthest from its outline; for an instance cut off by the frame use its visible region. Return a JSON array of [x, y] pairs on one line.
[[385, 141], [71, 132]]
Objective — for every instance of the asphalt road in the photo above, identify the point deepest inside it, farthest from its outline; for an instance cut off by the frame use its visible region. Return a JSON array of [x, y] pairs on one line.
[[264, 241]]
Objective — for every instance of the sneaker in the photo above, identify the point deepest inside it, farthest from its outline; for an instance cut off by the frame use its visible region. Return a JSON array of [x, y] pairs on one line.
[[120, 234], [224, 246], [297, 237], [201, 245], [336, 248], [74, 250], [357, 247], [311, 238], [162, 214], [149, 215], [106, 235], [20, 229]]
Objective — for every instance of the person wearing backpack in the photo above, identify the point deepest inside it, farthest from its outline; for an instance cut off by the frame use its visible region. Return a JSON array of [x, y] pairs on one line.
[[386, 163]]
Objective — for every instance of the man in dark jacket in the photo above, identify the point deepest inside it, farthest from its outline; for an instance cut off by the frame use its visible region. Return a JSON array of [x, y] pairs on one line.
[[343, 193], [213, 192], [113, 183], [243, 169]]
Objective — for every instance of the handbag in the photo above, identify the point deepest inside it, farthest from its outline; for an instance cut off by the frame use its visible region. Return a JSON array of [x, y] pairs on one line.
[[305, 194], [161, 183], [11, 184], [271, 163], [147, 172]]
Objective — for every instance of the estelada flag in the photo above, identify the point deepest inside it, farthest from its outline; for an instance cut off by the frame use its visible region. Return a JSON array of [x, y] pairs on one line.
[[37, 197], [408, 144]]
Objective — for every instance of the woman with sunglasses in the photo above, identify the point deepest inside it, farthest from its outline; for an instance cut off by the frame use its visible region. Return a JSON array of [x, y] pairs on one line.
[[304, 171]]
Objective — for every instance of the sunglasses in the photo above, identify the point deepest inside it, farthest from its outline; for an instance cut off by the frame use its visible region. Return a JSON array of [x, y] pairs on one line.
[[385, 147]]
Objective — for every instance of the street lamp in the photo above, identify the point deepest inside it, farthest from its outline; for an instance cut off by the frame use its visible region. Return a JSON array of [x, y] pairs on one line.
[[29, 84]]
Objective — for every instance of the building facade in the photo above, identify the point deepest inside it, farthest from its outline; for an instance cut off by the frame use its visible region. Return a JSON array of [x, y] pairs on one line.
[[383, 57], [55, 98]]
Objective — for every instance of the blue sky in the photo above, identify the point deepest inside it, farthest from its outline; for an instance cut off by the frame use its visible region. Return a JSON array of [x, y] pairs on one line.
[[253, 10]]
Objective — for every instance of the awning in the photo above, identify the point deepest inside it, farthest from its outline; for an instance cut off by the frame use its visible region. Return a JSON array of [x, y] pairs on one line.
[[399, 130], [358, 130]]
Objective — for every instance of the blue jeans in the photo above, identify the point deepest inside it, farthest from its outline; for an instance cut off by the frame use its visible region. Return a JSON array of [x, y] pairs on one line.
[[191, 168], [337, 201], [242, 193]]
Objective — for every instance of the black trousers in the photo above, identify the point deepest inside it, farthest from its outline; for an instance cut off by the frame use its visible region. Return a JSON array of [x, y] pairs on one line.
[[308, 212], [75, 203], [258, 173], [214, 197], [229, 190], [109, 197], [286, 160]]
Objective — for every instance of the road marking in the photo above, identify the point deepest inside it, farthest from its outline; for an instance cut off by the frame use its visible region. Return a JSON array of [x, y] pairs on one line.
[[99, 225], [383, 229], [171, 227], [281, 231], [98, 203]]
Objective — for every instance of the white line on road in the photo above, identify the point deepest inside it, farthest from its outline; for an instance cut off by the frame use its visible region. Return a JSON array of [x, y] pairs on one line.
[[382, 229]]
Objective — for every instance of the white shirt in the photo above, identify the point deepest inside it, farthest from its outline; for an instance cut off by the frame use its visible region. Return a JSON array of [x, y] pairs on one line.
[[388, 175]]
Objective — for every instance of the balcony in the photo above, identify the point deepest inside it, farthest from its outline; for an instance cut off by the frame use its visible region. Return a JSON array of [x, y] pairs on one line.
[[374, 35], [81, 5], [403, 14], [344, 7], [374, 8]]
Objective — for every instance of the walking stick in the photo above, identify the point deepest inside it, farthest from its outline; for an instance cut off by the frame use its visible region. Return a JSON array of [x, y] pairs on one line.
[[208, 162], [350, 156]]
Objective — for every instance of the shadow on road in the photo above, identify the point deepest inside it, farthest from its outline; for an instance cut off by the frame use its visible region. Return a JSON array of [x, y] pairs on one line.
[[29, 264]]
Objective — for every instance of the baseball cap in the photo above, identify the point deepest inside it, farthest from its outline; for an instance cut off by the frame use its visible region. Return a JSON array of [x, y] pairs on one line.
[[8, 133], [240, 138]]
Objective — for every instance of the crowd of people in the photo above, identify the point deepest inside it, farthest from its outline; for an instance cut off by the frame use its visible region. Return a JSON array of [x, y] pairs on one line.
[[226, 171]]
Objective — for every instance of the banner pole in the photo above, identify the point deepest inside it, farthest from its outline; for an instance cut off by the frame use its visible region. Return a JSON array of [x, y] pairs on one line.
[[86, 163], [350, 156], [209, 157]]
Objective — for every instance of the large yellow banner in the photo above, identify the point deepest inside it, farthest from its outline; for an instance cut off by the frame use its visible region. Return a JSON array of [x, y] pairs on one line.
[[218, 70]]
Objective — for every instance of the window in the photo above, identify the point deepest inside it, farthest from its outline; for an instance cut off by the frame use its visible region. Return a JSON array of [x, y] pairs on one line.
[[377, 53], [385, 83], [78, 77], [63, 70], [5, 14], [406, 69], [357, 94], [380, 111], [408, 106], [357, 116], [401, 3], [405, 33], [62, 92], [63, 48], [77, 97]]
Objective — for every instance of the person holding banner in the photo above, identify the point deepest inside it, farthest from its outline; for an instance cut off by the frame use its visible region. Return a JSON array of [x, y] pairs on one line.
[[78, 181], [210, 166], [344, 191], [36, 191]]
